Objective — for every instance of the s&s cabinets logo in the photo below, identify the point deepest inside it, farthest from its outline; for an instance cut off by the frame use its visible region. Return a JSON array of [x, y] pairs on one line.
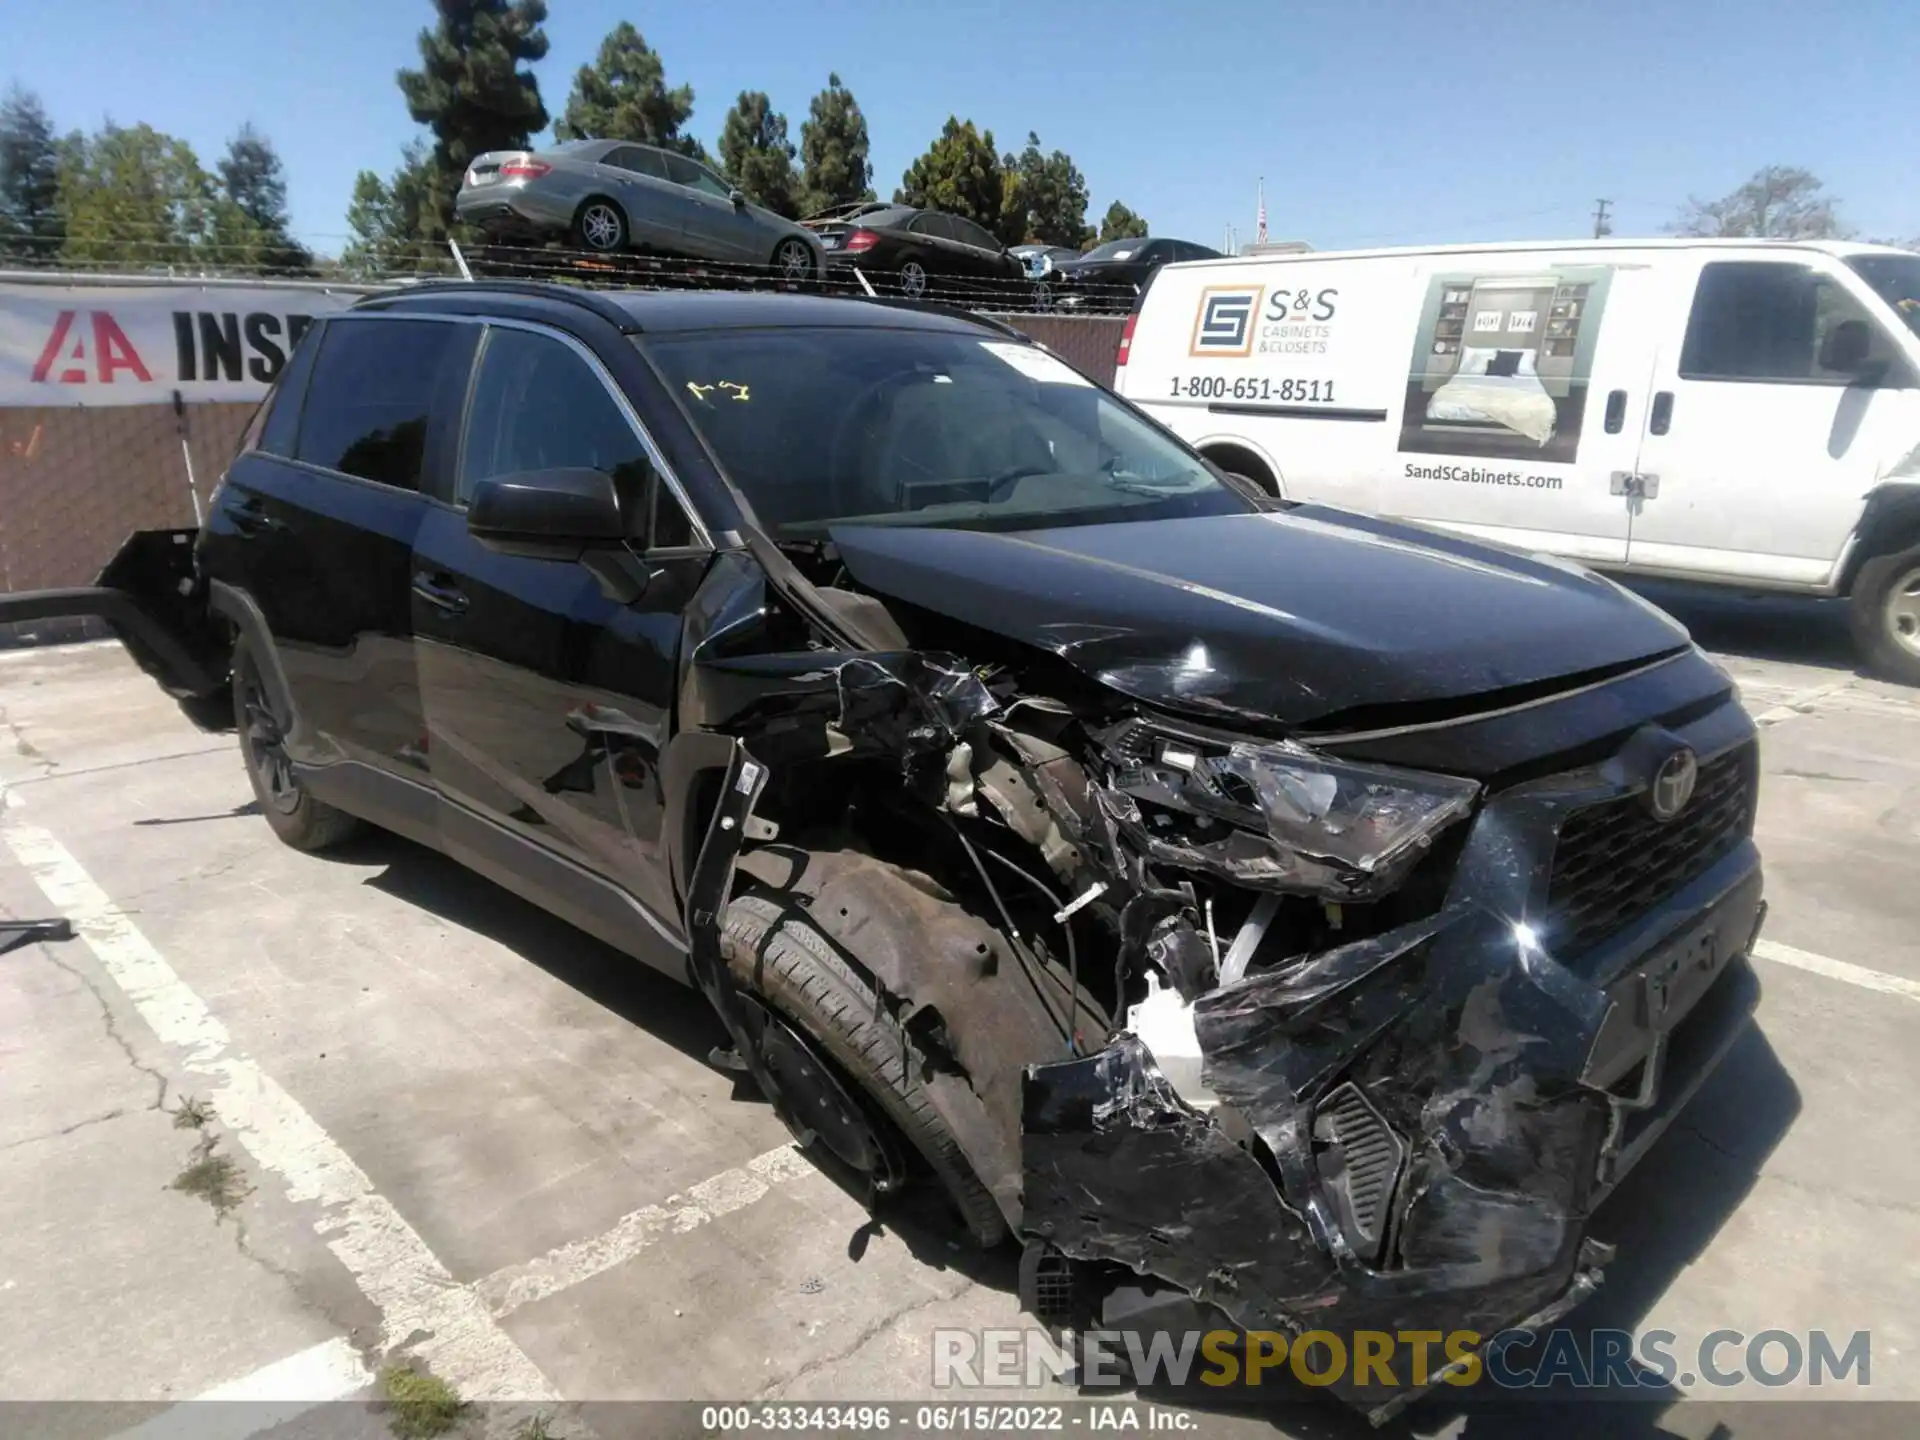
[[1296, 321], [1224, 324]]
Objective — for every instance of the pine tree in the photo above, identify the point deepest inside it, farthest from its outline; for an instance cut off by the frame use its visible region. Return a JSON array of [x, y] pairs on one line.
[[623, 95], [30, 226], [960, 174], [474, 92], [757, 155], [1046, 198], [254, 183], [835, 170], [1120, 223]]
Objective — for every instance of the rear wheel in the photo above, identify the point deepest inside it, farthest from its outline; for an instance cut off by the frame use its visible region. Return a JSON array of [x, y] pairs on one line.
[[1885, 614], [913, 280], [600, 226], [295, 816], [793, 261], [779, 956]]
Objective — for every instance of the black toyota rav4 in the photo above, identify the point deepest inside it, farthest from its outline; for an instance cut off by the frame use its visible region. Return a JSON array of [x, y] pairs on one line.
[[1256, 910]]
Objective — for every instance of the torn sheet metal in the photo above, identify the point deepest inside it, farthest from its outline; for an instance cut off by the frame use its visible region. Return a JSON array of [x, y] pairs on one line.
[[1458, 1037]]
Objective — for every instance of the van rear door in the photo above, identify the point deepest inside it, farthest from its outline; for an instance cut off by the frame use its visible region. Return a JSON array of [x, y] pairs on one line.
[[1764, 434], [1526, 391]]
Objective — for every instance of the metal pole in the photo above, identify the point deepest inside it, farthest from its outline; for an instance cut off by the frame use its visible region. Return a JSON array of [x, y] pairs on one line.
[[186, 454]]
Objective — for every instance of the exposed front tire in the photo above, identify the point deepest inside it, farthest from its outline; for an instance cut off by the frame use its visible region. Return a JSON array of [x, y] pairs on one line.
[[295, 816], [1885, 615], [776, 954], [600, 225]]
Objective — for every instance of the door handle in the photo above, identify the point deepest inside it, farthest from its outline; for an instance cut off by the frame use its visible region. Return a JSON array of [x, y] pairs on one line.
[[1662, 413], [249, 518], [440, 592], [1616, 411]]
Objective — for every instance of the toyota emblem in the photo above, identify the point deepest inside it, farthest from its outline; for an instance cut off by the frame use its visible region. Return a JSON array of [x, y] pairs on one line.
[[1673, 784]]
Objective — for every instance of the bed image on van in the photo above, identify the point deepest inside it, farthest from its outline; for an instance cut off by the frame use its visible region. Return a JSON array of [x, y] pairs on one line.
[[1733, 412]]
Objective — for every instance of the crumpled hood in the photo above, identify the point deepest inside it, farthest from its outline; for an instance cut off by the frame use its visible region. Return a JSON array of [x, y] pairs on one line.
[[1281, 617]]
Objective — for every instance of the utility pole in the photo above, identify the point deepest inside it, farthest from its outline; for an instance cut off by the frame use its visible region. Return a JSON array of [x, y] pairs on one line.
[[1602, 226]]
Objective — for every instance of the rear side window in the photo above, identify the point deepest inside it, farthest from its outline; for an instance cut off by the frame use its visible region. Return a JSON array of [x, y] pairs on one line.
[[931, 224], [370, 397], [278, 434], [1765, 322], [968, 233], [638, 160]]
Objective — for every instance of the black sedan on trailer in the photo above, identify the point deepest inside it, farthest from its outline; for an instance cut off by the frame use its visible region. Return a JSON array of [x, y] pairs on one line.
[[918, 253]]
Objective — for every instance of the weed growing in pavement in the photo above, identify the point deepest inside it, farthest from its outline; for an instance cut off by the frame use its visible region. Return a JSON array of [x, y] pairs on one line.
[[214, 1178], [422, 1405], [193, 1114]]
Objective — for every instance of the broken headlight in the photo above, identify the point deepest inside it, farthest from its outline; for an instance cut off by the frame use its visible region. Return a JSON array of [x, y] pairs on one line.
[[1277, 816]]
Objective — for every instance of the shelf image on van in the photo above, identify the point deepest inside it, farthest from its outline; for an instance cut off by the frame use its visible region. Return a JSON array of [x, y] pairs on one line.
[[1500, 364]]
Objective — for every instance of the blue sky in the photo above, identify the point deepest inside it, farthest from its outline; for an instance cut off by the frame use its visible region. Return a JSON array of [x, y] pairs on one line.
[[1373, 121]]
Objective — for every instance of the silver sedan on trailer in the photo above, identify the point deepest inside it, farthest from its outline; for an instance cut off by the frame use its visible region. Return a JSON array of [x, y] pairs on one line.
[[612, 195]]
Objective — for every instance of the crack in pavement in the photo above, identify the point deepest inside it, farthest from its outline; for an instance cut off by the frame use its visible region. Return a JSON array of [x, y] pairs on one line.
[[1900, 1207], [113, 1114], [160, 1081]]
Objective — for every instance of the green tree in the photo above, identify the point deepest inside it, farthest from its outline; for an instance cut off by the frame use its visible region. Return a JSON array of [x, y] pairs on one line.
[[757, 156], [623, 95], [1779, 202], [385, 219], [474, 92], [30, 227], [1046, 198], [254, 185], [960, 174], [136, 197], [1120, 223], [835, 170]]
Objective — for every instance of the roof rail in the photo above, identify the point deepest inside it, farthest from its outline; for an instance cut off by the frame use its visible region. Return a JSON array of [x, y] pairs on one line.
[[592, 300], [941, 307]]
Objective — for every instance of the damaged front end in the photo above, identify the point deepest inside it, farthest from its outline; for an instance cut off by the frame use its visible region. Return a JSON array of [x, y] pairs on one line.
[[1405, 1131], [1354, 1045]]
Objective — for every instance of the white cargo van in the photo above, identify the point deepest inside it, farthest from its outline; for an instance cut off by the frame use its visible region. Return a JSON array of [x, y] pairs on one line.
[[1745, 412]]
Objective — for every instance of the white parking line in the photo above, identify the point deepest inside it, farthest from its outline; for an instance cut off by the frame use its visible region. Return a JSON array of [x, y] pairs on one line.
[[331, 1370], [1841, 970], [421, 1305], [508, 1289]]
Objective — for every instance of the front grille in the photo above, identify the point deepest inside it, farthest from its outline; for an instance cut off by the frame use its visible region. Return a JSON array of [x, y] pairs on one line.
[[1614, 861]]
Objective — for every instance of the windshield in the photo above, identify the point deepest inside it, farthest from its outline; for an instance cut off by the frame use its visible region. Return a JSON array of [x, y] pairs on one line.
[[1896, 278], [1113, 250], [924, 427]]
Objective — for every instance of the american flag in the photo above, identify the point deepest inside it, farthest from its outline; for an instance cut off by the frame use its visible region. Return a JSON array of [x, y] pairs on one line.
[[1260, 221]]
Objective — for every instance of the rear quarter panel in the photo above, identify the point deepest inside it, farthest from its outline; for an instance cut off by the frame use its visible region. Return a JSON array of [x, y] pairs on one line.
[[1303, 361]]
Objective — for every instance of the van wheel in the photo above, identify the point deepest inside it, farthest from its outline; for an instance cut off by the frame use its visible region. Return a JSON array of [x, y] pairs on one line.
[[779, 956], [1885, 614], [1247, 466], [295, 816]]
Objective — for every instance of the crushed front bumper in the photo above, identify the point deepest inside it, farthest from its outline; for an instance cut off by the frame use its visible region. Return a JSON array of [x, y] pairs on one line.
[[1411, 1131]]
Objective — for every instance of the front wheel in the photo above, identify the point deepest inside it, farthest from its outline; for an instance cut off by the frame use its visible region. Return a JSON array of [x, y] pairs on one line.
[[1885, 615]]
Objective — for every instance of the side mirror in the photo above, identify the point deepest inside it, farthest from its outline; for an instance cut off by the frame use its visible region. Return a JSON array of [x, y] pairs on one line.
[[547, 514], [738, 197], [1845, 347]]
